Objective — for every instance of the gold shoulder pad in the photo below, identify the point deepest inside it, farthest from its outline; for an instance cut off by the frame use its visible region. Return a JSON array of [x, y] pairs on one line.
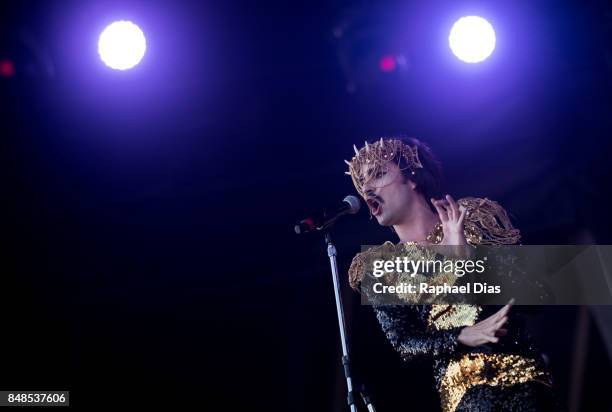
[[487, 223]]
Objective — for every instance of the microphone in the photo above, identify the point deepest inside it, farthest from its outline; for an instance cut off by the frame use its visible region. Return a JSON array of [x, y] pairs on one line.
[[350, 205]]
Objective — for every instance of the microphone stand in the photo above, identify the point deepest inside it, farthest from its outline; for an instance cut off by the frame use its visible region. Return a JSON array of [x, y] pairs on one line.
[[352, 392]]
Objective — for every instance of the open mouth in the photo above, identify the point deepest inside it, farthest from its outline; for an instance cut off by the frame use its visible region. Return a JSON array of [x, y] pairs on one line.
[[375, 205]]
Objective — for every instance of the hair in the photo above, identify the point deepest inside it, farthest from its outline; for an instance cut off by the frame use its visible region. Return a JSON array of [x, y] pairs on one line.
[[428, 180]]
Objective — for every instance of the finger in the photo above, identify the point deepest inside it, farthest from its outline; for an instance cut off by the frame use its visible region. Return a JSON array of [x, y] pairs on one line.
[[463, 214], [442, 213], [503, 311], [486, 322], [508, 306], [489, 322], [492, 319], [501, 332], [442, 202], [492, 339], [446, 206], [501, 322], [453, 207]]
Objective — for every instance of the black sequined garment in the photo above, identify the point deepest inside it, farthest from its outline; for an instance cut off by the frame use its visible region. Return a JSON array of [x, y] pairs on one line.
[[506, 376]]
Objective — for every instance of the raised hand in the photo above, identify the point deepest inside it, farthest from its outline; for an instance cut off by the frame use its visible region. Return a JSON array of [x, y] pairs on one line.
[[488, 330], [451, 216]]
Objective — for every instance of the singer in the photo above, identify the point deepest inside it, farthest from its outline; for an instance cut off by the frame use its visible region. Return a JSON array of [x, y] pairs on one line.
[[482, 360]]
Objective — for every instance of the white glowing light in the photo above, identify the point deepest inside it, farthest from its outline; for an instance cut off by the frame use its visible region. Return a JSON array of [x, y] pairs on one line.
[[472, 39], [122, 45]]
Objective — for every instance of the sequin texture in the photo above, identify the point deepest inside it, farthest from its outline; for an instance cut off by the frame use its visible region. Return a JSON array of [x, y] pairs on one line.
[[508, 375]]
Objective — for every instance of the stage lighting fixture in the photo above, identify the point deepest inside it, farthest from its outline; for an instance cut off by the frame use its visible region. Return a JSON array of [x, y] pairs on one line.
[[7, 68], [472, 39], [122, 45], [387, 63]]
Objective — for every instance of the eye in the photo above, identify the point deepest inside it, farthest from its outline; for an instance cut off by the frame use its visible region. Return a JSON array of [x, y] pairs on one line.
[[380, 174]]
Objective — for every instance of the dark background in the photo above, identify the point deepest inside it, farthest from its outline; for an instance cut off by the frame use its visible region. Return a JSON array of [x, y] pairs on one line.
[[148, 215]]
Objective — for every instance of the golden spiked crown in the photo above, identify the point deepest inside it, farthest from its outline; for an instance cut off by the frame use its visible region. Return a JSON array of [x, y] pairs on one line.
[[375, 156]]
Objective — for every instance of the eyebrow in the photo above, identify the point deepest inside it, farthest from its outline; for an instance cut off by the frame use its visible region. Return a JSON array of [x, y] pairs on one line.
[[368, 175], [373, 171]]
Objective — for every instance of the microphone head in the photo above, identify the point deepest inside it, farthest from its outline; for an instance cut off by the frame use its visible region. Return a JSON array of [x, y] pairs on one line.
[[354, 204]]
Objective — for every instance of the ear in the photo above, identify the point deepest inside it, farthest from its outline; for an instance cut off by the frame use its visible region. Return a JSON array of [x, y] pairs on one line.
[[411, 184]]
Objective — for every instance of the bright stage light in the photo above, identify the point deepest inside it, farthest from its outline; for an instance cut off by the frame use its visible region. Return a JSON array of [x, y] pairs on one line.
[[122, 45], [472, 39]]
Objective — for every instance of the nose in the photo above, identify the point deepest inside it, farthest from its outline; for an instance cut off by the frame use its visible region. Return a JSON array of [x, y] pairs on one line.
[[366, 185]]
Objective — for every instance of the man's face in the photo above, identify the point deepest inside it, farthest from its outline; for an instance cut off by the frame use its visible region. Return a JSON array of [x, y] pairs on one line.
[[387, 193]]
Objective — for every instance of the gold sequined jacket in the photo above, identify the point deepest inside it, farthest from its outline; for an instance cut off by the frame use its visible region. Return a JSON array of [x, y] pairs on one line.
[[508, 375]]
